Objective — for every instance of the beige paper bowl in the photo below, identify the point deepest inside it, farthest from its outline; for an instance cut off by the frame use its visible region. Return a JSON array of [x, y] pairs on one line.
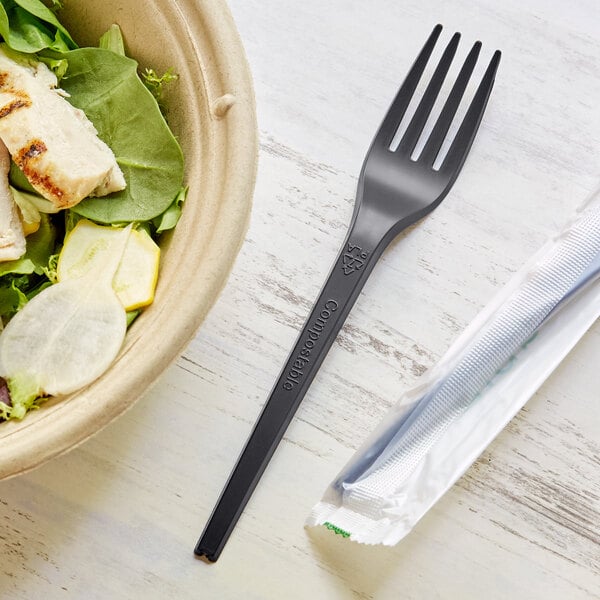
[[211, 110]]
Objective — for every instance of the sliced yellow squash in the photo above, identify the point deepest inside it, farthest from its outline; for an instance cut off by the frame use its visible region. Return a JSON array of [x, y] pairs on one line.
[[135, 279]]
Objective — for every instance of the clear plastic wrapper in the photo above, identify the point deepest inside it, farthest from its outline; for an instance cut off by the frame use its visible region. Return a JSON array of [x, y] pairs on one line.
[[437, 430]]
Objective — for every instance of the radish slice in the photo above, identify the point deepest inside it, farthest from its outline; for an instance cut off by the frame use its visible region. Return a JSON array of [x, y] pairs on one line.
[[66, 336]]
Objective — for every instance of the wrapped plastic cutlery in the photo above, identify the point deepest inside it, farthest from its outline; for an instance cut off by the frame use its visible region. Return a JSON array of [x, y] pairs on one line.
[[439, 429]]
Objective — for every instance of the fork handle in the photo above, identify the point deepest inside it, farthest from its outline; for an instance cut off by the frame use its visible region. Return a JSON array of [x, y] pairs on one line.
[[352, 268]]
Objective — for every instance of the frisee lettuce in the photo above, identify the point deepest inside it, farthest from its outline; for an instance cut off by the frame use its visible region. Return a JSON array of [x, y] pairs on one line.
[[23, 398], [156, 83]]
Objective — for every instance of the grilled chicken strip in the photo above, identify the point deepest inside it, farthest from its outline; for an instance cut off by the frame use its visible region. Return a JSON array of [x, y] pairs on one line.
[[12, 240], [53, 143]]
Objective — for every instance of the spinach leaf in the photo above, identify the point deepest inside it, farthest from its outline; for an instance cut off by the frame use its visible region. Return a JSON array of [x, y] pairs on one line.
[[18, 179], [107, 88], [113, 40], [30, 26], [12, 298], [132, 315], [171, 216]]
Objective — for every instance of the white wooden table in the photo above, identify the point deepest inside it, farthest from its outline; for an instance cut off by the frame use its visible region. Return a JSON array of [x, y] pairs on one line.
[[119, 516]]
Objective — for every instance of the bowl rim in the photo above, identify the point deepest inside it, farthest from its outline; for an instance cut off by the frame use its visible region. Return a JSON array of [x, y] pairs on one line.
[[232, 137]]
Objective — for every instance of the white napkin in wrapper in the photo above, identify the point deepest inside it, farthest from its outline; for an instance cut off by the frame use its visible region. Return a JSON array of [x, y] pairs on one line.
[[439, 429]]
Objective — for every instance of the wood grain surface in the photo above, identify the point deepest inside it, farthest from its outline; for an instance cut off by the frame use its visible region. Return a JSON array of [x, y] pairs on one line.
[[119, 516]]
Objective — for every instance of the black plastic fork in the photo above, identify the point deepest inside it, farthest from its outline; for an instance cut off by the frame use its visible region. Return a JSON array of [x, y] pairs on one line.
[[394, 191]]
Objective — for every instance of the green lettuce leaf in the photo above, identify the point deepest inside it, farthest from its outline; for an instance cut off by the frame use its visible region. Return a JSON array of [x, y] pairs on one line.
[[17, 290], [132, 315], [30, 26], [113, 40], [23, 396], [170, 217], [12, 298], [18, 179], [107, 88], [40, 247]]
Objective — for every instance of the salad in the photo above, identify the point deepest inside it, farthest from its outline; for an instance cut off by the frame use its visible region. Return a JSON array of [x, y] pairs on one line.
[[90, 177]]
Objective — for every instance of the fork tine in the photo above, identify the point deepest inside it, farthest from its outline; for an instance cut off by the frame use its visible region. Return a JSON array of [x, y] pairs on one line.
[[464, 138], [415, 128], [396, 111], [436, 139]]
